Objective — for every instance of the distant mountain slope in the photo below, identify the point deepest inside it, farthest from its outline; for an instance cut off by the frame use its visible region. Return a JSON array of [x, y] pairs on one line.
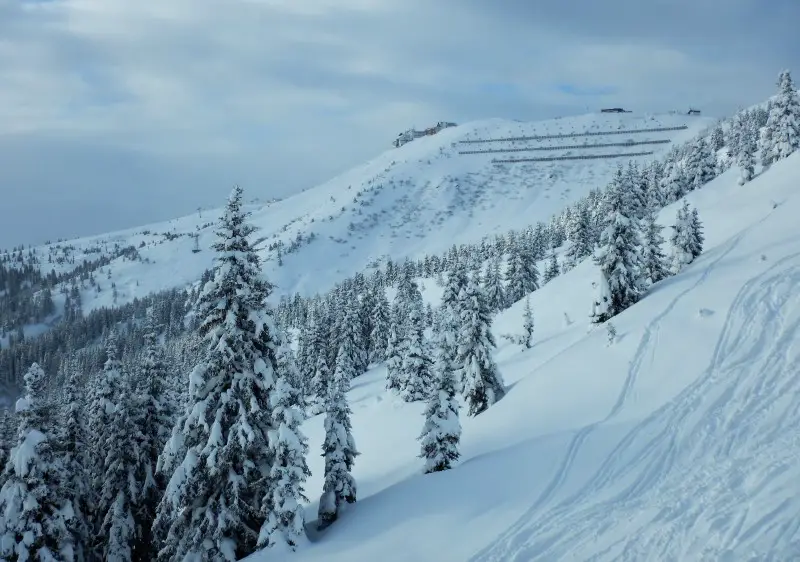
[[677, 442], [419, 198]]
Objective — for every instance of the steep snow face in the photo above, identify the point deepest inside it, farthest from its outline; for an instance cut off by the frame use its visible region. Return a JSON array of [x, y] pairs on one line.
[[417, 199], [677, 442]]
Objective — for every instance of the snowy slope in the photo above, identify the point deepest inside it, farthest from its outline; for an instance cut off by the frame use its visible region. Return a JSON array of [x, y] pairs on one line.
[[678, 442], [417, 199]]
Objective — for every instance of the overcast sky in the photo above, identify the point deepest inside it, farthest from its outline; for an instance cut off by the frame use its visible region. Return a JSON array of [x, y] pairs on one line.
[[115, 113]]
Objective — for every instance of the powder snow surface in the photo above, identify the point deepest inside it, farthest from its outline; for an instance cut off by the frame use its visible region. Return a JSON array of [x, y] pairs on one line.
[[678, 442]]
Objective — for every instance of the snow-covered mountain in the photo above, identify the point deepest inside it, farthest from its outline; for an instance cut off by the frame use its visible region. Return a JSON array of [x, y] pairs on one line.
[[679, 441], [418, 199]]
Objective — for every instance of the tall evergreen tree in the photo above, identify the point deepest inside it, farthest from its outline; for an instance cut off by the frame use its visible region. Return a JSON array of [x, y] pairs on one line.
[[151, 419], [379, 337], [781, 134], [522, 276], [481, 382], [580, 238], [619, 258], [338, 448], [73, 446], [441, 432], [35, 514], [416, 378], [701, 163], [553, 270], [746, 158], [284, 516], [220, 453], [686, 238], [493, 282], [653, 259], [527, 324]]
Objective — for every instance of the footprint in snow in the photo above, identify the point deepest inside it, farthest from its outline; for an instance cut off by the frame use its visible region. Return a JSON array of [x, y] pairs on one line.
[[705, 312]]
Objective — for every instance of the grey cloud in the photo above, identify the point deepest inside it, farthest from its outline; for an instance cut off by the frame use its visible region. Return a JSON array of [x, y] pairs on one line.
[[186, 98]]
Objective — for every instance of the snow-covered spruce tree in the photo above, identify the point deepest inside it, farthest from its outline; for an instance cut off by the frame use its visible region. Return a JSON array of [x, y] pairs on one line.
[[416, 378], [717, 138], [349, 335], [522, 277], [619, 257], [35, 512], [746, 158], [701, 163], [105, 389], [151, 420], [379, 337], [685, 243], [579, 234], [781, 134], [320, 383], [394, 354], [653, 258], [284, 516], [219, 456], [338, 448], [527, 324], [121, 489], [675, 183], [481, 382], [696, 234], [72, 446], [493, 285], [7, 436], [552, 270], [441, 432]]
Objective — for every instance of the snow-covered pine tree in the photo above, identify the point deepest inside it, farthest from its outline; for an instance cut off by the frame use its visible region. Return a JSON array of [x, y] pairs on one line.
[[552, 270], [320, 383], [72, 446], [746, 158], [527, 324], [682, 239], [284, 516], [105, 389], [781, 134], [338, 448], [493, 285], [619, 256], [379, 337], [151, 420], [416, 378], [441, 432], [219, 452], [697, 237], [121, 489], [522, 276], [580, 237], [701, 163], [394, 353], [653, 258], [717, 138], [35, 512], [480, 380], [675, 183]]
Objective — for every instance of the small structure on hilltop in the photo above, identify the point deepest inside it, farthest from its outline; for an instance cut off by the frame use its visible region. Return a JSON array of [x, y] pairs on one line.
[[411, 134], [693, 111], [614, 110]]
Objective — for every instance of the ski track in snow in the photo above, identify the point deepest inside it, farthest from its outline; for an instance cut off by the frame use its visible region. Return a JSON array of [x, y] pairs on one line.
[[754, 329]]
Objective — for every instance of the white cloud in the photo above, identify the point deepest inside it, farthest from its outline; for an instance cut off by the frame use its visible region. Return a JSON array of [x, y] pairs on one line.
[[189, 96]]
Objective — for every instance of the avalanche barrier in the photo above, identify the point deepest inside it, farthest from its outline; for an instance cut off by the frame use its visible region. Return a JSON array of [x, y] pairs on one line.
[[587, 134], [566, 147], [555, 158]]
